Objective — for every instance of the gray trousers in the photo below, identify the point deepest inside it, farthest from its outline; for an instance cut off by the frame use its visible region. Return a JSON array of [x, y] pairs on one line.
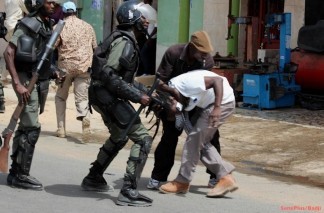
[[198, 147], [81, 85]]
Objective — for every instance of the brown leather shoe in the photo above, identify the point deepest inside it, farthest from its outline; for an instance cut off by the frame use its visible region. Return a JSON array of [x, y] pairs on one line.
[[226, 184], [174, 187]]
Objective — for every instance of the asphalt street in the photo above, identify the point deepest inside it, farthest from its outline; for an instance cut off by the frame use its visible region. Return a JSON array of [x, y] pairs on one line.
[[60, 164], [269, 147]]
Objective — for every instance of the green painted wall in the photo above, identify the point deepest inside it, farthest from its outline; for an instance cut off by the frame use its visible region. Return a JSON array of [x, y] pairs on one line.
[[196, 16], [178, 19], [92, 11], [232, 44], [168, 22], [184, 18]]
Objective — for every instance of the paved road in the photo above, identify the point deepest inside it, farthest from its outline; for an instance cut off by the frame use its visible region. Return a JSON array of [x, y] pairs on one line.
[[60, 164], [262, 144]]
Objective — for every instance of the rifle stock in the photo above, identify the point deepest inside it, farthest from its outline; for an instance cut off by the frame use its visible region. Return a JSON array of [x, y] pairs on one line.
[[7, 133]]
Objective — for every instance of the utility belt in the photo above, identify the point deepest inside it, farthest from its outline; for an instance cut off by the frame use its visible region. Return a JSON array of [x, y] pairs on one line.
[[42, 86], [117, 110], [44, 74], [110, 104]]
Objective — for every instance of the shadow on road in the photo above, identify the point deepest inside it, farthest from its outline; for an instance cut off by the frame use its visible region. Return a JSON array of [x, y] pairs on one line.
[[71, 138], [70, 190]]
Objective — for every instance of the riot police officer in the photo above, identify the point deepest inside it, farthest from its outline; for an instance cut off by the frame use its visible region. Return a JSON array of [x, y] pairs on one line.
[[22, 55], [110, 92]]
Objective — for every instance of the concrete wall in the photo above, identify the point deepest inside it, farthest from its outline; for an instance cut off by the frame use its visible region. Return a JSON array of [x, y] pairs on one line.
[[215, 23], [297, 10]]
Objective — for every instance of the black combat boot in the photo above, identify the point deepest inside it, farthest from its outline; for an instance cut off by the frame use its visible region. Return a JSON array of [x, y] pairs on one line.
[[129, 196], [23, 181], [23, 151], [95, 181]]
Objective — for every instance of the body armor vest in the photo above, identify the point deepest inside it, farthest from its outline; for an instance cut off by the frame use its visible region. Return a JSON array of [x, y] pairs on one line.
[[40, 33], [102, 52]]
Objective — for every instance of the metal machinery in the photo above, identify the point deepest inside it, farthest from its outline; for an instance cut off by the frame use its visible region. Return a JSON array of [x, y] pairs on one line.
[[268, 88], [310, 59], [227, 66]]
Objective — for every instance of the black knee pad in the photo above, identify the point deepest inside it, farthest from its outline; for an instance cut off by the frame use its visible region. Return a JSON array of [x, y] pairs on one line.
[[33, 136], [145, 144]]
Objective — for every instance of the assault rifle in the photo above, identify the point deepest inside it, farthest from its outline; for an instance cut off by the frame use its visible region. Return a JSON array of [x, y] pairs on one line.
[[7, 133], [150, 92]]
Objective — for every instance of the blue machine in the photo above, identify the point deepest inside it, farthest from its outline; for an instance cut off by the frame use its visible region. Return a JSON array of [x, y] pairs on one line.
[[275, 89]]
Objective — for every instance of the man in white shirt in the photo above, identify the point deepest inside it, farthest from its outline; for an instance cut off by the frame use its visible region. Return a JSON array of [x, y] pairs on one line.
[[213, 94]]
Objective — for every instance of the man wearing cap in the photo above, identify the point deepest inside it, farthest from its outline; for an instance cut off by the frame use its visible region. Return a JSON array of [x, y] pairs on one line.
[[213, 94], [179, 59], [75, 47]]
